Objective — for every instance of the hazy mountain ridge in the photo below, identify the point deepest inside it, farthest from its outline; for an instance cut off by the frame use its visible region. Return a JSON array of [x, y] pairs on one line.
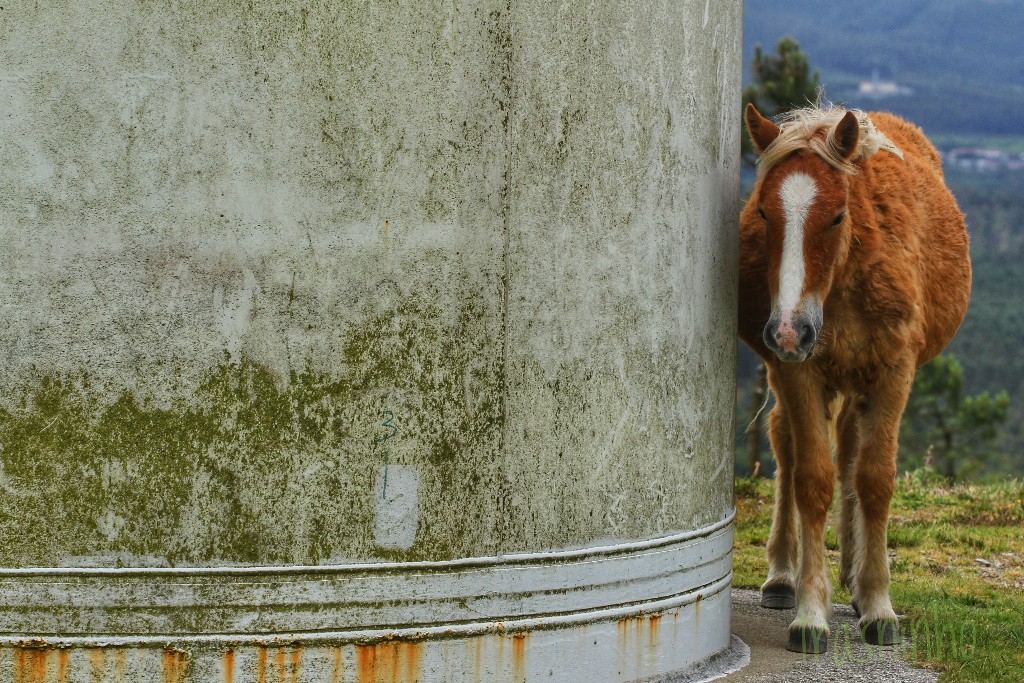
[[962, 58]]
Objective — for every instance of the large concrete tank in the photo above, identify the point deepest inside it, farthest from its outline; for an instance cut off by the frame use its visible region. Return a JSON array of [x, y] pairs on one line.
[[366, 341]]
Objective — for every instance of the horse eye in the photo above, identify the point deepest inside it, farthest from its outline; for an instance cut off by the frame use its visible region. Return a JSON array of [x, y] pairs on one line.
[[760, 212], [839, 219]]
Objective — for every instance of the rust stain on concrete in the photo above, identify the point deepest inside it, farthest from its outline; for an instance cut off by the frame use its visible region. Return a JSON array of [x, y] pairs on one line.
[[339, 666], [279, 665], [228, 666], [654, 630], [519, 642], [390, 662], [411, 656], [261, 665], [478, 661], [19, 666], [97, 663], [63, 663], [174, 664], [120, 664], [37, 665], [366, 663]]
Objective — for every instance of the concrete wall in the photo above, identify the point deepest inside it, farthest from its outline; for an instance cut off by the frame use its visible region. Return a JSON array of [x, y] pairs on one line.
[[332, 284]]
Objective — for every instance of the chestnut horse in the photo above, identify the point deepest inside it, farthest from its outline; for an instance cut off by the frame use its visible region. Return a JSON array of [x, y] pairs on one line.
[[854, 272]]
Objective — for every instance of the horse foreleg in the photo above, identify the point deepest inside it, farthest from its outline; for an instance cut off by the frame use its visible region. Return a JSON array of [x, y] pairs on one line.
[[874, 480], [779, 590], [814, 483], [846, 452]]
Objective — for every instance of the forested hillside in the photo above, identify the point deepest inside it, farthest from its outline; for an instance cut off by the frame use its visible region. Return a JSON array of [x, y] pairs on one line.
[[989, 345], [962, 59]]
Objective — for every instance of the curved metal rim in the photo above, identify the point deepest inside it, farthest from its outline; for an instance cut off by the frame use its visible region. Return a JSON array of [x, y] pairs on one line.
[[379, 567], [454, 631]]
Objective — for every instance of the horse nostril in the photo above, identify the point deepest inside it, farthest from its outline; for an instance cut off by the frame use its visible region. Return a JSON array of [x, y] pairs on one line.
[[771, 334], [807, 335]]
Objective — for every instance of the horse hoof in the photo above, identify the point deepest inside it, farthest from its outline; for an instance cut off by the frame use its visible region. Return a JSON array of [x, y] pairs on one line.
[[778, 597], [808, 641], [881, 632], [856, 608]]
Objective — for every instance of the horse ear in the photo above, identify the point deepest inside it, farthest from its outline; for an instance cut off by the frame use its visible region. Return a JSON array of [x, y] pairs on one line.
[[846, 135], [762, 131]]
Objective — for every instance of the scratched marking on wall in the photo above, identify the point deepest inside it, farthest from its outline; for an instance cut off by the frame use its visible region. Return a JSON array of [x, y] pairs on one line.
[[389, 425], [396, 492]]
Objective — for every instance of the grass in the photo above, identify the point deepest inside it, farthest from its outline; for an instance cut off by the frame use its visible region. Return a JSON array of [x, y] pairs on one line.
[[957, 565]]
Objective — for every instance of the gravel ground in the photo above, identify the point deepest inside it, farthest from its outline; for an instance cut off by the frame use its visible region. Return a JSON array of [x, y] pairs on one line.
[[847, 659]]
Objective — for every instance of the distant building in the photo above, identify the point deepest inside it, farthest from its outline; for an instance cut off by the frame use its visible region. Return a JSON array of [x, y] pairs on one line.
[[983, 159], [877, 89]]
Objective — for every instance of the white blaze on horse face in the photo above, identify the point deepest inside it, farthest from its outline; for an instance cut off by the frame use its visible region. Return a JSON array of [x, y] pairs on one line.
[[797, 194]]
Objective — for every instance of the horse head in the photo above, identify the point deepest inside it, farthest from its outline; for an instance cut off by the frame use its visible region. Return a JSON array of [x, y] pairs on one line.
[[801, 197]]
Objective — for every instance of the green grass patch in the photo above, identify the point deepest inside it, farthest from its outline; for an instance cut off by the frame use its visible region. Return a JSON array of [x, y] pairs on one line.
[[957, 564]]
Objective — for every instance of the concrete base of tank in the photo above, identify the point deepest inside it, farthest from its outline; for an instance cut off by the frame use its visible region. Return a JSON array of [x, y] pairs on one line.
[[624, 612]]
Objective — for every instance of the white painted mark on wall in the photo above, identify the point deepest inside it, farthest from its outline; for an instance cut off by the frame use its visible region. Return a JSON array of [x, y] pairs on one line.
[[396, 515]]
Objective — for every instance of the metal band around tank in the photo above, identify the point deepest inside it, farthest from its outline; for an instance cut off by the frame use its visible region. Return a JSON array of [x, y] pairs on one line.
[[363, 602]]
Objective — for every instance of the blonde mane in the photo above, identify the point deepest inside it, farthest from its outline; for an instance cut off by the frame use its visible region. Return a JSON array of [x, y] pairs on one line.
[[814, 128]]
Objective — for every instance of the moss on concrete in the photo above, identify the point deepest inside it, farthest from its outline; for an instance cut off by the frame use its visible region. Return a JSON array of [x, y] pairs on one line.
[[251, 468]]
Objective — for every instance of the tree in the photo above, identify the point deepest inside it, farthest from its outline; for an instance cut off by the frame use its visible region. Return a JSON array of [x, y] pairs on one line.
[[943, 426], [779, 83]]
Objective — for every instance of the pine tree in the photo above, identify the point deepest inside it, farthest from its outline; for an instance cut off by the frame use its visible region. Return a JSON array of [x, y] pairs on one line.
[[944, 427], [779, 83]]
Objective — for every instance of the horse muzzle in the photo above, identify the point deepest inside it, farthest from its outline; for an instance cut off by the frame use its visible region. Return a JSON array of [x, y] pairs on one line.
[[792, 335]]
